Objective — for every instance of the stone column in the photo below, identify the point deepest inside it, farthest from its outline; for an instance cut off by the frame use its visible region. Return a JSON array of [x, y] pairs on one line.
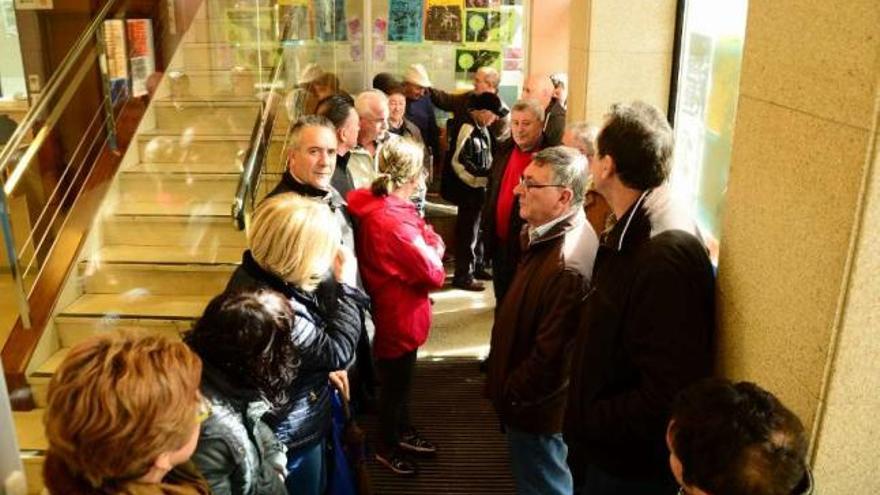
[[619, 51], [798, 292]]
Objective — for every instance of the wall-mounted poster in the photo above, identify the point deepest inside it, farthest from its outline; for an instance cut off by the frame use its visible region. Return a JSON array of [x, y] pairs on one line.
[[482, 3], [141, 53], [443, 21], [405, 20], [467, 61], [482, 26], [297, 13], [330, 23]]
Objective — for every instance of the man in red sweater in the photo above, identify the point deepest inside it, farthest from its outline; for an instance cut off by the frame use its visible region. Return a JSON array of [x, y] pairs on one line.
[[501, 221]]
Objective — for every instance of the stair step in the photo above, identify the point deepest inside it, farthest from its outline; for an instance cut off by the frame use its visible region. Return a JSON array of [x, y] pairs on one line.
[[223, 55], [190, 208], [73, 330], [33, 471], [30, 430], [213, 117], [134, 305], [223, 83], [129, 254], [204, 233], [165, 147], [187, 169]]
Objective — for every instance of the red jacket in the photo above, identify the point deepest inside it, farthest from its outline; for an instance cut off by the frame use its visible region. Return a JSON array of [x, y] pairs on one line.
[[400, 262]]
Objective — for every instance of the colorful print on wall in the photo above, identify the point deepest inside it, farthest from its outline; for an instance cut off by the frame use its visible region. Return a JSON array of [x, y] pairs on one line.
[[482, 3], [443, 21], [482, 26], [330, 23], [405, 20], [467, 61]]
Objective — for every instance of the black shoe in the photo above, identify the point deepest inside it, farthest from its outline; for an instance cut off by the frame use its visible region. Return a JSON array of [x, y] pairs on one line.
[[471, 285], [398, 463], [413, 442], [482, 274]]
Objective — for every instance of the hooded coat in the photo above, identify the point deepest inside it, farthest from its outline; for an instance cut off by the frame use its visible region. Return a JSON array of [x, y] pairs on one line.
[[400, 262]]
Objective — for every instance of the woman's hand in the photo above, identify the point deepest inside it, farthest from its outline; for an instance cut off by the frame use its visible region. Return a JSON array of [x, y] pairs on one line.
[[345, 267], [339, 379]]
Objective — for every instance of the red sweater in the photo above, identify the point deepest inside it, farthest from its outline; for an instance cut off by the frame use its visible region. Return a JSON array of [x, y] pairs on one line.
[[517, 164]]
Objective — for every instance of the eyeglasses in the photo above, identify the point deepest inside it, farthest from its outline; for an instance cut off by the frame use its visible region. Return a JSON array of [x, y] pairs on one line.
[[529, 185], [203, 412]]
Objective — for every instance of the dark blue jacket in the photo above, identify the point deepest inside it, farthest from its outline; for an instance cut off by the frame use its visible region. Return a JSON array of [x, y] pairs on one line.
[[421, 113], [326, 342]]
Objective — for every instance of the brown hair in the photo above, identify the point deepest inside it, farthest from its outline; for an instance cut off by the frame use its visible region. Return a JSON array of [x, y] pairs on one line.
[[118, 401], [399, 161]]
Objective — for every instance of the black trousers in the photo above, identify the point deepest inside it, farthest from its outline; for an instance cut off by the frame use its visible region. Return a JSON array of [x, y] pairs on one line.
[[467, 226], [395, 377]]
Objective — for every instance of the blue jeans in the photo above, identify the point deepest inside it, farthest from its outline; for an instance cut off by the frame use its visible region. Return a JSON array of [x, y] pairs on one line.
[[539, 463], [599, 482], [307, 470]]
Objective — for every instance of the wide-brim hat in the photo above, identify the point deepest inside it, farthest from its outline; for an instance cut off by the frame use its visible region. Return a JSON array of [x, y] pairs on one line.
[[416, 74]]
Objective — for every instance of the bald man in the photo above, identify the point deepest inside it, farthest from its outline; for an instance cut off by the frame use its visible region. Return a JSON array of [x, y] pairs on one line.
[[539, 87]]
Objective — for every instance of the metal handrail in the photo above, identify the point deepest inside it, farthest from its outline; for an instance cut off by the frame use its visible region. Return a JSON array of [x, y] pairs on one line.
[[60, 80], [261, 137]]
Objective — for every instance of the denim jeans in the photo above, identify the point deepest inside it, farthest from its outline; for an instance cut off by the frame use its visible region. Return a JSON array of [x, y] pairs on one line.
[[539, 463], [307, 470], [599, 482]]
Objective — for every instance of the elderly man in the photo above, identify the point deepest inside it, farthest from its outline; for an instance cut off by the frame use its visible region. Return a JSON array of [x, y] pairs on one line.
[[420, 110], [647, 327], [535, 326], [539, 87], [486, 80], [582, 136], [501, 222], [372, 108], [339, 110]]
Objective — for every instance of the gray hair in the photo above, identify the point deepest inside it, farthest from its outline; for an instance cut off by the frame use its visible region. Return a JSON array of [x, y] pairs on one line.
[[307, 121], [529, 106], [364, 101], [569, 168], [492, 76], [586, 134]]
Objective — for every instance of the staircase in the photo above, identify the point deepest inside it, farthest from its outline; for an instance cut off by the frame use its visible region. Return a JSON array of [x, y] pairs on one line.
[[164, 243]]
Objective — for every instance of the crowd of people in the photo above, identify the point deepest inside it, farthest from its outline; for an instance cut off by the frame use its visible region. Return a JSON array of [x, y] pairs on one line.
[[601, 351]]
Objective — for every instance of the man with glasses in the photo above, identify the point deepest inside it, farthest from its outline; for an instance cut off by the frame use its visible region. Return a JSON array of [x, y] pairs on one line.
[[535, 326], [501, 220], [647, 325]]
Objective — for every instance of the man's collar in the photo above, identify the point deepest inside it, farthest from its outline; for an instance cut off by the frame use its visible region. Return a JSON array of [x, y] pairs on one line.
[[554, 228]]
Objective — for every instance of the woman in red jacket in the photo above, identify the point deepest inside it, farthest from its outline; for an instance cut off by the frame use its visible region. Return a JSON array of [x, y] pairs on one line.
[[400, 261]]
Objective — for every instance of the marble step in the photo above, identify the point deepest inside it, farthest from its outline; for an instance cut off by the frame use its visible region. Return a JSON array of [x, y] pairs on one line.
[[158, 270], [185, 231], [183, 147], [225, 56], [176, 188], [136, 306], [213, 117], [237, 83]]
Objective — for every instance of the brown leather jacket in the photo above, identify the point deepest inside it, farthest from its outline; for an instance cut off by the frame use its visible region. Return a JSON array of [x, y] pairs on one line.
[[531, 348]]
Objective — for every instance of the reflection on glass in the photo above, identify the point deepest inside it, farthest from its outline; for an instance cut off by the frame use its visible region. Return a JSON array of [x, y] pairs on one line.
[[708, 87]]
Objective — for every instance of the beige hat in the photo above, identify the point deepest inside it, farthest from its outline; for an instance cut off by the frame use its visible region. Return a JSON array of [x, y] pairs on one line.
[[416, 74], [310, 73]]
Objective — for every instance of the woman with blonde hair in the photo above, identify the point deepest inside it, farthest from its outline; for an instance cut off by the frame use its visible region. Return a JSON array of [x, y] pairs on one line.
[[294, 242], [122, 416], [401, 263]]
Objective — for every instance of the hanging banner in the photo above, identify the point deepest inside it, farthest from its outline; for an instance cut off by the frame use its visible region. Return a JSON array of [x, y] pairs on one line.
[[405, 20], [142, 53], [117, 60]]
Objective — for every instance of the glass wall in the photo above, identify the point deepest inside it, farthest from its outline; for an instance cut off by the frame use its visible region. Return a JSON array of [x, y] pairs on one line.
[[705, 107], [12, 80]]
